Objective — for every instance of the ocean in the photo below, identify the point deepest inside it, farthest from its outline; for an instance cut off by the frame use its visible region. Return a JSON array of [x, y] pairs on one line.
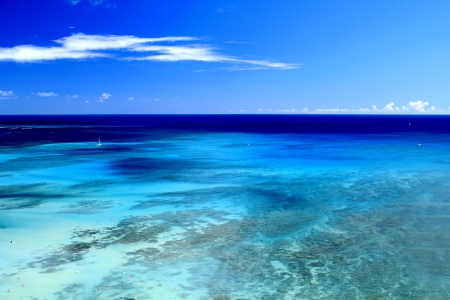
[[225, 207]]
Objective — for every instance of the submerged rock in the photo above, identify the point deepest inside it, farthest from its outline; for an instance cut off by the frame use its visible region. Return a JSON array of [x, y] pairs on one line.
[[78, 247]]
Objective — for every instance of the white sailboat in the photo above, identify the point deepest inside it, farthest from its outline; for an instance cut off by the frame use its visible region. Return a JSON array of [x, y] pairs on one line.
[[99, 144]]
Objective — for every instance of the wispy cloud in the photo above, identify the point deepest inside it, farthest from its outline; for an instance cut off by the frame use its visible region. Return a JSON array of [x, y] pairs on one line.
[[105, 96], [73, 2], [236, 42], [131, 98], [93, 3], [225, 9], [6, 93], [203, 53], [74, 96], [251, 68], [80, 46], [46, 94]]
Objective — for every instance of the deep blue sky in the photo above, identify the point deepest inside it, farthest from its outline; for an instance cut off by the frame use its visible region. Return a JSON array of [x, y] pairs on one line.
[[242, 56]]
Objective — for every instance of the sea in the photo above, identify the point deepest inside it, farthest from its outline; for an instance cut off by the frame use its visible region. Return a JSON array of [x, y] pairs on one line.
[[217, 207]]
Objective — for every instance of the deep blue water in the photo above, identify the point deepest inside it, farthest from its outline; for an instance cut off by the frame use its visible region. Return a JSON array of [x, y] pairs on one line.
[[225, 207], [258, 123]]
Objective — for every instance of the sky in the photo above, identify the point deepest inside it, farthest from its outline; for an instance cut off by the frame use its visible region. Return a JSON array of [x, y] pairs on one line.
[[224, 57]]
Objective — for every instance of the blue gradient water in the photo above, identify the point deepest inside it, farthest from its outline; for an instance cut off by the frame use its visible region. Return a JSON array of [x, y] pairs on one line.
[[193, 207]]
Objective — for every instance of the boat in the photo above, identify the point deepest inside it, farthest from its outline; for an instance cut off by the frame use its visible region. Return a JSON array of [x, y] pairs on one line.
[[98, 144]]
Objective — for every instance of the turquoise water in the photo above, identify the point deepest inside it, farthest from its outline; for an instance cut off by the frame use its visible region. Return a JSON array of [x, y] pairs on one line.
[[226, 215]]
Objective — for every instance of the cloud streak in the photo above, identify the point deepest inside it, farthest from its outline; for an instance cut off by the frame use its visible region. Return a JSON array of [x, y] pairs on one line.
[[46, 94], [81, 46], [199, 53]]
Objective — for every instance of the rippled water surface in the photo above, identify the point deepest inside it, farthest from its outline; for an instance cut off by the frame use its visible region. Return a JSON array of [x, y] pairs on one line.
[[159, 213]]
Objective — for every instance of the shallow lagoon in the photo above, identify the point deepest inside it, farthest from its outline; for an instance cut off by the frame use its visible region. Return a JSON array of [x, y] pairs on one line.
[[189, 214]]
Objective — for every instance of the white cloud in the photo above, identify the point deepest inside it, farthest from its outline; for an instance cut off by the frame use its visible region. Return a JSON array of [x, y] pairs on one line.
[[389, 106], [418, 105], [412, 107], [81, 46], [335, 110], [260, 109], [305, 109], [75, 96], [287, 110], [242, 110], [105, 96], [157, 99], [6, 93], [84, 42], [46, 94], [30, 53], [131, 98], [199, 53]]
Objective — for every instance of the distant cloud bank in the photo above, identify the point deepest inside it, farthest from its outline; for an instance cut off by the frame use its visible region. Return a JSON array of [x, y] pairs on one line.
[[418, 107], [81, 46]]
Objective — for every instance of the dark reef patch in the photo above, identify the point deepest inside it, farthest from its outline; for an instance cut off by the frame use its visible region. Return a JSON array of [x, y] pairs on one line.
[[21, 196], [92, 185], [87, 207]]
